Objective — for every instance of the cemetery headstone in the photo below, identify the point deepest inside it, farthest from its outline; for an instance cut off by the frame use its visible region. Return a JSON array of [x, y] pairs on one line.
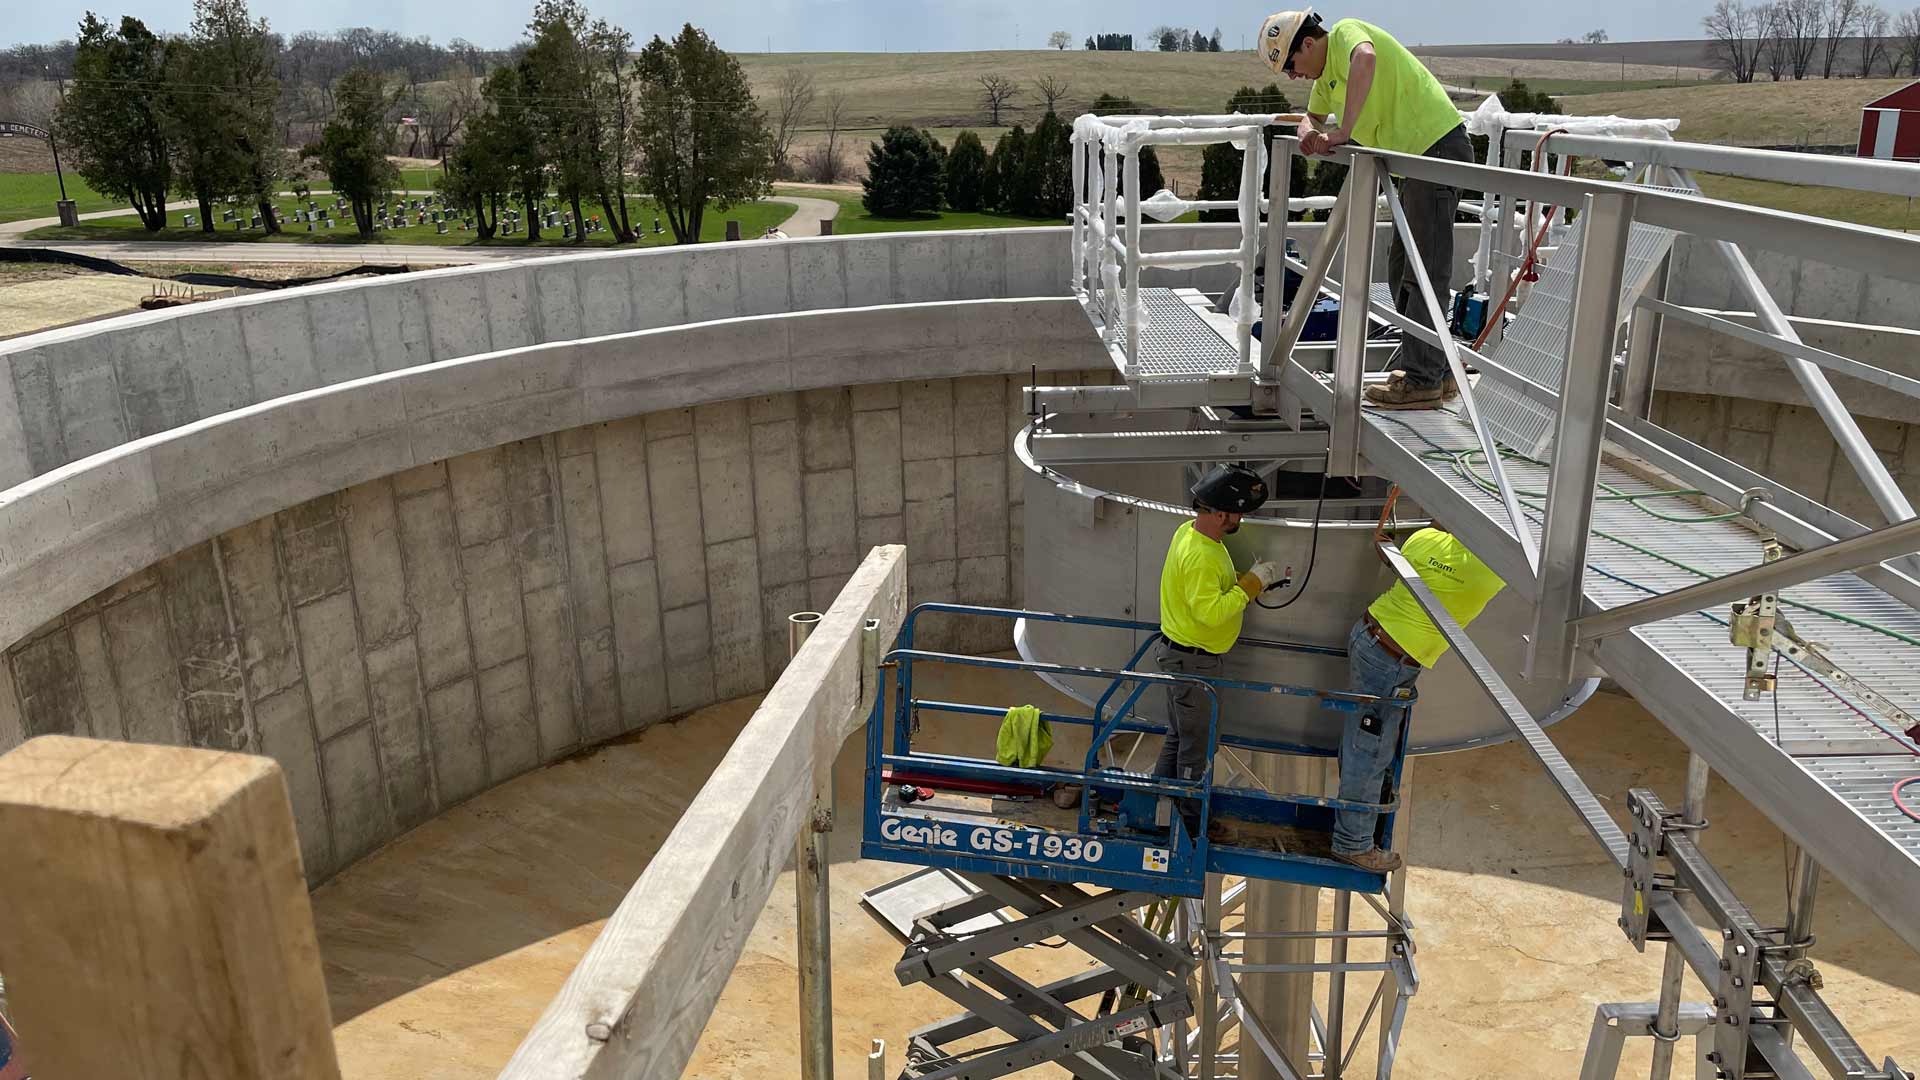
[[440, 227]]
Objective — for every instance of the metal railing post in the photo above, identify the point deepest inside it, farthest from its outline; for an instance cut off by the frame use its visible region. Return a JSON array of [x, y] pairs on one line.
[[1356, 278], [812, 901], [1643, 347], [1593, 328], [1250, 165], [1666, 1023], [1082, 205], [1131, 170], [1279, 193]]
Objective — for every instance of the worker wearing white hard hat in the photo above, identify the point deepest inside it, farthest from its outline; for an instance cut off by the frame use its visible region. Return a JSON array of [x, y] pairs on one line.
[[1369, 90]]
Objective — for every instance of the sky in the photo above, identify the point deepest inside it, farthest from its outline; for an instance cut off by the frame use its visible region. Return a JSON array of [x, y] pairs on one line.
[[895, 25]]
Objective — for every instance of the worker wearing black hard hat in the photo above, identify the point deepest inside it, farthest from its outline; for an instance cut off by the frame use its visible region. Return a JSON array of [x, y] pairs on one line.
[[1201, 601]]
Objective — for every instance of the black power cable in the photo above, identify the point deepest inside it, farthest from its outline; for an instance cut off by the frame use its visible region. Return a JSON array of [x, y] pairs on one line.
[[1313, 551]]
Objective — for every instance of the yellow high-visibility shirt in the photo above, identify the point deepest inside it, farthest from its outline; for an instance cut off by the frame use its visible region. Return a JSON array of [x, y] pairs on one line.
[[1406, 111], [1200, 598], [1462, 582]]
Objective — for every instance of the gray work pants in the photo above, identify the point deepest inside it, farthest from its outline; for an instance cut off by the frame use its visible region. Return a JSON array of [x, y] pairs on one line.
[[1430, 210], [1184, 753]]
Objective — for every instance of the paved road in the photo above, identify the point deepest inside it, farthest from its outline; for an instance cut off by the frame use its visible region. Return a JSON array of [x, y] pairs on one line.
[[806, 219]]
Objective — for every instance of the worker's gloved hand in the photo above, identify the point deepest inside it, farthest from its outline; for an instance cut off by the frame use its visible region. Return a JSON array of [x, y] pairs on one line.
[[1259, 578]]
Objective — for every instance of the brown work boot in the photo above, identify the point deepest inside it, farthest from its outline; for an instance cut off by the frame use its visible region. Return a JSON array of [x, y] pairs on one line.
[[1372, 860], [1395, 393]]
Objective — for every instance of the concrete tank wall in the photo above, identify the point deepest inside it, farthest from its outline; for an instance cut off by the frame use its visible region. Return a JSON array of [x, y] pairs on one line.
[[407, 642], [68, 393]]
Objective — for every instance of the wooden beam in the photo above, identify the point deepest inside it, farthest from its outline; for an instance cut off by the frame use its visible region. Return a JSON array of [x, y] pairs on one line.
[[157, 924], [637, 1003]]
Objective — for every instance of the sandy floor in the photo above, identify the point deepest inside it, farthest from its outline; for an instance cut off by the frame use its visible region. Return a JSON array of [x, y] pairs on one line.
[[443, 948], [36, 298]]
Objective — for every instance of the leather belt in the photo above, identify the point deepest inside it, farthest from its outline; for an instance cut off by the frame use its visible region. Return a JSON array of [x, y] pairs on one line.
[[1177, 647], [1385, 640]]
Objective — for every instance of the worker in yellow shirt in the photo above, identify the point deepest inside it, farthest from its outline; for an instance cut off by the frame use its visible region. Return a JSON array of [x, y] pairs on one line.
[[1370, 91], [1386, 651], [1201, 601]]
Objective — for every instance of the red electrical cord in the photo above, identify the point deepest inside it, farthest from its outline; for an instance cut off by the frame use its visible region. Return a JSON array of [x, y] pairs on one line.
[[1533, 249], [1898, 801]]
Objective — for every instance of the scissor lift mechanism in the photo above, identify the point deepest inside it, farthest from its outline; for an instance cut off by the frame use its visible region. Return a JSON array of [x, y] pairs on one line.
[[1081, 876]]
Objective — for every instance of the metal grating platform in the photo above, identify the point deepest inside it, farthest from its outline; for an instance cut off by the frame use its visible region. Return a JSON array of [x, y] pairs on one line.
[[1780, 751], [1535, 343], [1176, 342]]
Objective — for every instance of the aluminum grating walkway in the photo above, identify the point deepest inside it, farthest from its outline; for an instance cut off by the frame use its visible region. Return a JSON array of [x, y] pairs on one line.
[[1816, 766]]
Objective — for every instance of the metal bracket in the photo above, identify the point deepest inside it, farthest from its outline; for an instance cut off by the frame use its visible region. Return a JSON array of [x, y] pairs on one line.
[[1648, 842], [1752, 627], [1733, 1001]]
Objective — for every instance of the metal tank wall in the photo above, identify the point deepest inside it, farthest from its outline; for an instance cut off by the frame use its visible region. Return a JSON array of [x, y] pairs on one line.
[[1096, 537]]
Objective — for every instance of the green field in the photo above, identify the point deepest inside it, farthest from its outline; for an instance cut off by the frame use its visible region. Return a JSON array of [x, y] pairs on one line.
[[754, 219], [853, 217], [32, 195], [1837, 204]]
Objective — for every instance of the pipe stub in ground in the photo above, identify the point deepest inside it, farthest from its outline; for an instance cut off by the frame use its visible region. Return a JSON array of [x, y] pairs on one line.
[[800, 626]]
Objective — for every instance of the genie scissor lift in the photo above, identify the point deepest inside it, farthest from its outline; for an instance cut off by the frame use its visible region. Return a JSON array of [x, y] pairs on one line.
[[1011, 866]]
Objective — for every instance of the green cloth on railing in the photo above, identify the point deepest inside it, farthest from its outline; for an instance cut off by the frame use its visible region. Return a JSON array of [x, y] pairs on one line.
[[1025, 738]]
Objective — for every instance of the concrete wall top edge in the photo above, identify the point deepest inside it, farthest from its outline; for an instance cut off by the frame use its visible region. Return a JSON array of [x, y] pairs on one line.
[[77, 529]]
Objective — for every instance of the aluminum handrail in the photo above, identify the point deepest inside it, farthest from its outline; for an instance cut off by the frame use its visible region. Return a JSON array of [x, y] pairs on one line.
[[1787, 167], [1860, 247], [1834, 362]]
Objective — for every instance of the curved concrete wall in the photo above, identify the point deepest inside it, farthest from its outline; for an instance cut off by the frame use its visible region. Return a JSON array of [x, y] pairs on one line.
[[405, 642], [414, 535]]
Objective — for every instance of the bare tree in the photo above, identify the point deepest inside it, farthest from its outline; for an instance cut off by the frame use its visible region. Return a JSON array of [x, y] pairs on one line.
[[997, 91], [827, 164], [792, 101], [1906, 37], [1595, 37], [1738, 39], [1052, 88], [1873, 37], [1059, 39], [1838, 23], [1798, 26]]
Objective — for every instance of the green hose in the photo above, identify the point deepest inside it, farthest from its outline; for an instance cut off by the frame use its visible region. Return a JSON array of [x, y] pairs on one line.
[[1462, 463]]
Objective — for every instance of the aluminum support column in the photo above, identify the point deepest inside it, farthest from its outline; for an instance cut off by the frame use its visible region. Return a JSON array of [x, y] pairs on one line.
[[1356, 278], [1666, 1023], [1337, 988], [1279, 191], [813, 904], [1643, 347], [1801, 890], [1592, 330], [1282, 1002]]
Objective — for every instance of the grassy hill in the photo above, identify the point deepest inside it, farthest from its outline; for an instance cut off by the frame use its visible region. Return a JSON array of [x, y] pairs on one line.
[[1760, 113]]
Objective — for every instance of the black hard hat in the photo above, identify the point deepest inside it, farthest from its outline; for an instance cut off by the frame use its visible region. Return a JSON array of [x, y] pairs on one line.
[[1234, 489]]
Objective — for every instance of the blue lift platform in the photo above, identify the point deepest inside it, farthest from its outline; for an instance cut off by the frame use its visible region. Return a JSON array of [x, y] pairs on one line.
[[984, 817], [1008, 866]]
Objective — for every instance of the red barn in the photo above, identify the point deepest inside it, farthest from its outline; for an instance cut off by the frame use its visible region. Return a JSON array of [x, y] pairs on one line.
[[1890, 127]]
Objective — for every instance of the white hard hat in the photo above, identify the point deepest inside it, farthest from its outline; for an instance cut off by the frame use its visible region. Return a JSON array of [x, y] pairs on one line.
[[1277, 34]]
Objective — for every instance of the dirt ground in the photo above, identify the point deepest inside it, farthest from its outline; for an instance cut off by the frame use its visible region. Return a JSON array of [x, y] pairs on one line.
[[442, 949], [35, 297]]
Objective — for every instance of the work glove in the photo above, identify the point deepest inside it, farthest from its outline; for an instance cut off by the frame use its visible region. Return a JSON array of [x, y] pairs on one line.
[[1259, 578]]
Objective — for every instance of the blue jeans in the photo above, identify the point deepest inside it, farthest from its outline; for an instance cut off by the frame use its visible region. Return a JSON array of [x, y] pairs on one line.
[[1372, 736]]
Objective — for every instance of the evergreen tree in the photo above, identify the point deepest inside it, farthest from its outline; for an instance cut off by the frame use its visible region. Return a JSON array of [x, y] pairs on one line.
[[1050, 160], [112, 121], [967, 174], [1220, 163], [1005, 168], [512, 134], [700, 134], [354, 145], [903, 174]]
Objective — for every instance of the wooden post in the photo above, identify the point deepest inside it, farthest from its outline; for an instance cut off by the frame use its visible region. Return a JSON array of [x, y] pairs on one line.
[[157, 922]]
